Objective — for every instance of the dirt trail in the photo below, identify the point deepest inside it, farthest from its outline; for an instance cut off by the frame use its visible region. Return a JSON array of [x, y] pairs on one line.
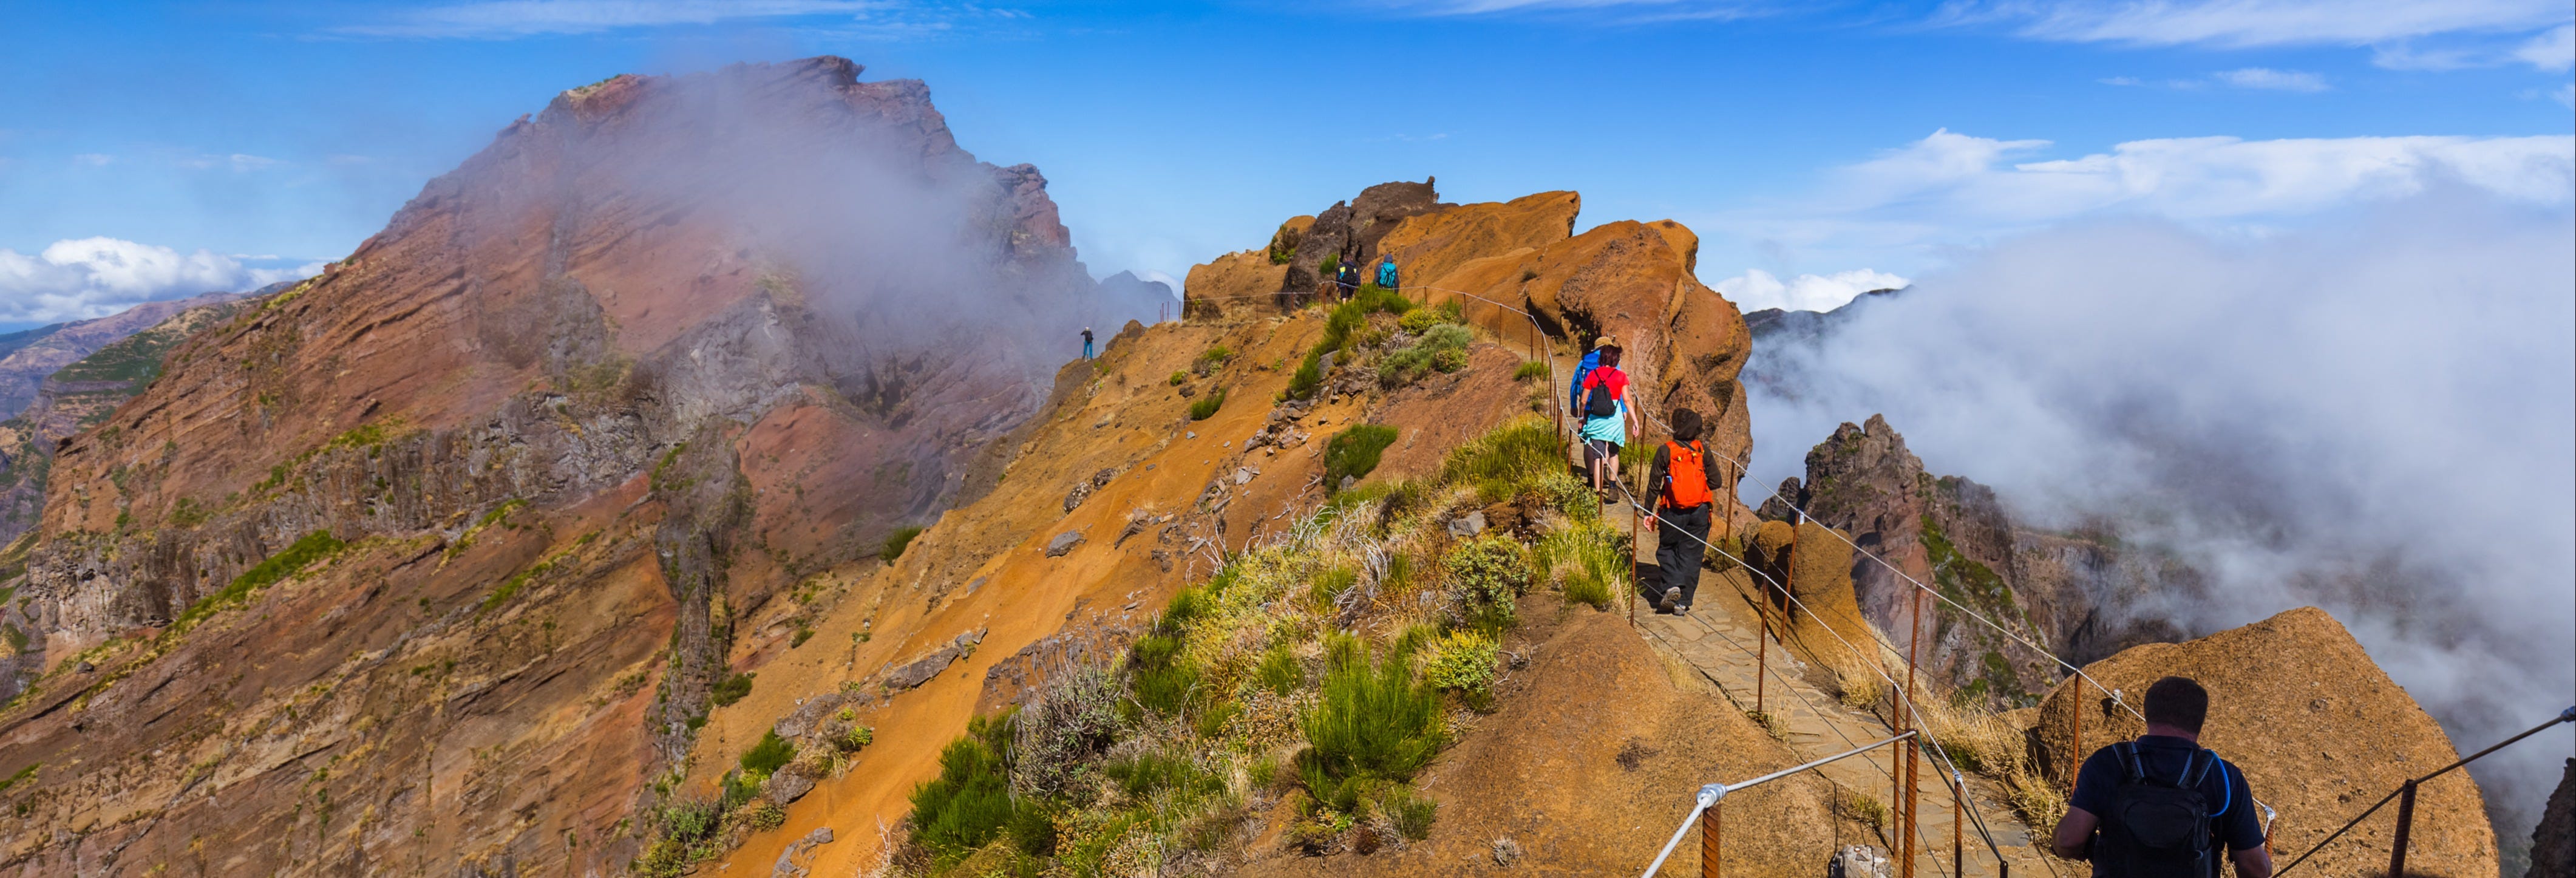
[[1719, 640]]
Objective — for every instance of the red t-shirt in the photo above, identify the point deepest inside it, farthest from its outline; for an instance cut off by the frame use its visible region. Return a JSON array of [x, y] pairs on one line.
[[1608, 376]]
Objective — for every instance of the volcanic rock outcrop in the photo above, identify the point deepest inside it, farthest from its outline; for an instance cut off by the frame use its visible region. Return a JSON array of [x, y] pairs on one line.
[[2319, 730], [435, 561], [2059, 590]]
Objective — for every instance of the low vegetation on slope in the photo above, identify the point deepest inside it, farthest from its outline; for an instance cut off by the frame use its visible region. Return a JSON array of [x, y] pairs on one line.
[[1310, 680]]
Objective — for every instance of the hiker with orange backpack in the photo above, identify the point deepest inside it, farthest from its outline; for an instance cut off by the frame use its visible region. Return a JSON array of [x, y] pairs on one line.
[[1684, 479]]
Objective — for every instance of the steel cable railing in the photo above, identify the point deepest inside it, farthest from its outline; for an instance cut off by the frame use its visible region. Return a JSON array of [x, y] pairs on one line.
[[1939, 755], [2406, 810], [1712, 794]]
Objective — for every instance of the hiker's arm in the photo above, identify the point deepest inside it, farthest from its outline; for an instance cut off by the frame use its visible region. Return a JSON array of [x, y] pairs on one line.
[[1656, 473], [2076, 829], [2253, 862]]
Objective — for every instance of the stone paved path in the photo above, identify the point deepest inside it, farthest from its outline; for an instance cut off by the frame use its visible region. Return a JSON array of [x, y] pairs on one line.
[[1719, 639]]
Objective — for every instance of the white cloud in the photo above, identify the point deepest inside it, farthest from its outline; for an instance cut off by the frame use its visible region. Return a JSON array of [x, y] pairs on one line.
[[1756, 289], [2247, 23], [1916, 206], [2555, 50], [510, 19], [2270, 79], [93, 277], [92, 159]]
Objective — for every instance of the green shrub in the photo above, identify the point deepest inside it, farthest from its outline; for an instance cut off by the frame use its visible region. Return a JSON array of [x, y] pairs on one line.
[[1206, 406], [1331, 261], [304, 552], [1354, 452], [856, 739], [1280, 671], [969, 804], [1181, 377], [770, 754], [1163, 680], [1419, 320], [1215, 356], [766, 817], [730, 689], [1372, 724], [1485, 575], [1530, 369], [899, 540], [1309, 376], [1512, 457], [1330, 585], [1463, 662], [1150, 772]]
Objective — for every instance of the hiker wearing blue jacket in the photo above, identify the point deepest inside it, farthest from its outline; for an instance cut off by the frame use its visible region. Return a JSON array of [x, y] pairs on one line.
[[1386, 273], [1574, 389]]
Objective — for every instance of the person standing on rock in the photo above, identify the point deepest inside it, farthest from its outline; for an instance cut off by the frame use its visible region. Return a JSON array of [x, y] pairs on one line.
[[2160, 806], [1086, 342], [1607, 420], [1681, 478]]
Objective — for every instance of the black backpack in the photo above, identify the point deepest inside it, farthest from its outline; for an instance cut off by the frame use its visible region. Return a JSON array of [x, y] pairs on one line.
[[1597, 402], [2157, 828]]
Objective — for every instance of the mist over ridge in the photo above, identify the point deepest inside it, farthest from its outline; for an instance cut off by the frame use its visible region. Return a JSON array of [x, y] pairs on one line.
[[2372, 416]]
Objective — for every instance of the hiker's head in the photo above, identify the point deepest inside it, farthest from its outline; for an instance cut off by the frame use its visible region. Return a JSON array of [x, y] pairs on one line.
[[1604, 342], [1610, 356], [1685, 425], [2177, 703]]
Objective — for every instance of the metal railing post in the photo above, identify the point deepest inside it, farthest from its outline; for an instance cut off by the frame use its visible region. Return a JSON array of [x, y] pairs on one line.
[[2405, 826], [1958, 833], [1913, 766], [2075, 751], [1709, 822]]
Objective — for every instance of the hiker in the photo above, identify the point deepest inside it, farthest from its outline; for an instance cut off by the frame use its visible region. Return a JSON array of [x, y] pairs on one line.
[[1574, 389], [1347, 277], [1682, 478], [1607, 420], [1086, 342], [1386, 273], [2160, 806]]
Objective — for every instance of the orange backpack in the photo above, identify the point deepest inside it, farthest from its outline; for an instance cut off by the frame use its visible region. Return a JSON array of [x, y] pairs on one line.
[[1685, 476]]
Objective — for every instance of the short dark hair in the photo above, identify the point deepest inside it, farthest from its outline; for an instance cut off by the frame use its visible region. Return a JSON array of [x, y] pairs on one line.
[[1610, 356], [1685, 425], [2178, 702]]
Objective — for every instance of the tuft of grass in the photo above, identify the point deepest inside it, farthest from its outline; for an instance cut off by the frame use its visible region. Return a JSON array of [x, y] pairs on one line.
[[303, 553], [1443, 349], [731, 689], [1529, 370], [969, 805], [1180, 378], [1280, 671], [899, 540], [1373, 725], [1591, 559], [1355, 452], [1860, 806], [1206, 406], [1511, 458]]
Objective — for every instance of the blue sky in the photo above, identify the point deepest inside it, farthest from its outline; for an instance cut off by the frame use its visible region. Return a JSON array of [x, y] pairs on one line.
[[151, 150]]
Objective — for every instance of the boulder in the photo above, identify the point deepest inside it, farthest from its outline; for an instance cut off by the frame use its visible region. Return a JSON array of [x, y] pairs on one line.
[[1063, 543], [2318, 729], [1430, 246], [2553, 842], [1283, 243], [1235, 284]]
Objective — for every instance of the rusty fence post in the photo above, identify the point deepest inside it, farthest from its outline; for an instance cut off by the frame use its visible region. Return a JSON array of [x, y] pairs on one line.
[[2075, 750], [1958, 833], [1708, 839], [2405, 827], [1913, 768]]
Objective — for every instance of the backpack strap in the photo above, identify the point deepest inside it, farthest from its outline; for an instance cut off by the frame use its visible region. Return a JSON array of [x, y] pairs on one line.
[[2196, 768], [2127, 753]]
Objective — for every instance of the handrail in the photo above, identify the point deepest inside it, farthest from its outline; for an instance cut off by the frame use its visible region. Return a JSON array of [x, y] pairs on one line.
[[1711, 794], [2405, 813]]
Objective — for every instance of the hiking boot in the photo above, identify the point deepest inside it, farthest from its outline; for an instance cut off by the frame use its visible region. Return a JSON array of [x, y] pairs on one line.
[[1683, 610], [1668, 599]]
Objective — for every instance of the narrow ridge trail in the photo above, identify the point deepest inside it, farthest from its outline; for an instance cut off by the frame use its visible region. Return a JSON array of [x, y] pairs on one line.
[[1718, 640]]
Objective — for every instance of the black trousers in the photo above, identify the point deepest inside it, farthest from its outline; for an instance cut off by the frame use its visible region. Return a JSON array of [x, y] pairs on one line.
[[1680, 542]]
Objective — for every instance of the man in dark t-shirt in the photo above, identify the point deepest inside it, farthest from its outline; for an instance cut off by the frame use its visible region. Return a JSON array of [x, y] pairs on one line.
[[2170, 750]]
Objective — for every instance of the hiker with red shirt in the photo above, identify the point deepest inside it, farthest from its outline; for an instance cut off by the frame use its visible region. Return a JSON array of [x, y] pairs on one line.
[[1607, 419], [1684, 479]]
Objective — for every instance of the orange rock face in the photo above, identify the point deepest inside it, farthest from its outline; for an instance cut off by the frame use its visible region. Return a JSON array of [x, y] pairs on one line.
[[656, 363], [2319, 730]]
